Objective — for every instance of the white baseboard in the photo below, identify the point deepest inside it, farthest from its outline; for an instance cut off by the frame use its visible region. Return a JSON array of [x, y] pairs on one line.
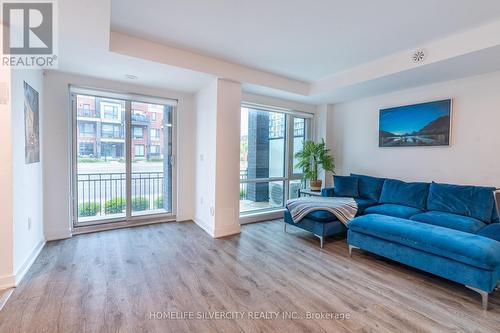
[[7, 282], [21, 272], [205, 226], [58, 236], [182, 218], [227, 231], [4, 296]]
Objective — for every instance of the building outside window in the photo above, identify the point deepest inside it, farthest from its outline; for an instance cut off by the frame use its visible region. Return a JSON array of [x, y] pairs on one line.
[[86, 129], [153, 116], [111, 111], [139, 150], [155, 134], [86, 149], [86, 110], [154, 150], [137, 132], [111, 131]]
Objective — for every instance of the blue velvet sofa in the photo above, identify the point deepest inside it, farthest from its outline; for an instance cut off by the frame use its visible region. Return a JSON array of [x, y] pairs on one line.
[[452, 231]]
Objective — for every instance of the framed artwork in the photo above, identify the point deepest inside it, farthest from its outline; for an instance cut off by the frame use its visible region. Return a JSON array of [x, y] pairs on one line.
[[424, 124], [31, 125]]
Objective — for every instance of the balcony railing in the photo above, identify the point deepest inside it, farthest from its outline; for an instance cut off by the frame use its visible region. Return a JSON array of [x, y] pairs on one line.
[[105, 193], [243, 186], [88, 113]]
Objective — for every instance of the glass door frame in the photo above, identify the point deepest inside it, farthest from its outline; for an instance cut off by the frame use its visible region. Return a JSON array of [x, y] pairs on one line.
[[128, 98]]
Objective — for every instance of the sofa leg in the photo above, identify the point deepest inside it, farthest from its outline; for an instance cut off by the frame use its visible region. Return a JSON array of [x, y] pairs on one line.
[[484, 296], [321, 238], [351, 247]]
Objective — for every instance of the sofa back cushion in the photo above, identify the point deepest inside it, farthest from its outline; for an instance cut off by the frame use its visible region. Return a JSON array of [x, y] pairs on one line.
[[495, 217], [472, 201], [402, 193], [369, 187], [345, 186]]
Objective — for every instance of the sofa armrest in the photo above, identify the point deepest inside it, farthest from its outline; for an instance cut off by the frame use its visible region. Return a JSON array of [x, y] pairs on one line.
[[327, 192], [491, 231]]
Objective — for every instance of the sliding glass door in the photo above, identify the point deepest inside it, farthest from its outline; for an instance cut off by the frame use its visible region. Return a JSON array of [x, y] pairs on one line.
[[269, 139], [122, 158]]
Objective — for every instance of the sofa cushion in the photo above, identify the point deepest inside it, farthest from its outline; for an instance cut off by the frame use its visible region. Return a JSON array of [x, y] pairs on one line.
[[406, 194], [369, 187], [401, 211], [471, 201], [491, 231], [449, 220], [345, 186], [326, 216], [321, 216], [495, 218], [363, 204], [461, 246]]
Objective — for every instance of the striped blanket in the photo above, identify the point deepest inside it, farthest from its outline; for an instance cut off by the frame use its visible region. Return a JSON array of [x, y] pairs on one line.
[[344, 209]]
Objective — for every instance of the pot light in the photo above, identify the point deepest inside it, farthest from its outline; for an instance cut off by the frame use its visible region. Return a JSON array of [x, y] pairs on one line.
[[131, 77]]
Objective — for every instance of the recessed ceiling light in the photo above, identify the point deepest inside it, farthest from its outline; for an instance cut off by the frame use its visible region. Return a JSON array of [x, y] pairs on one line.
[[131, 77]]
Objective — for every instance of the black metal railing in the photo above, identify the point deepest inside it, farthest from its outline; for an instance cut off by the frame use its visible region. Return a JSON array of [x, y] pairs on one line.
[[243, 186], [88, 113], [105, 193]]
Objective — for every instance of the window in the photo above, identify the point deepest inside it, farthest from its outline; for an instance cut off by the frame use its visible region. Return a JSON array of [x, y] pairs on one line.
[[111, 111], [268, 142], [153, 116], [86, 110], [86, 129], [86, 149], [137, 132], [155, 134], [111, 131], [154, 150], [139, 150], [299, 136]]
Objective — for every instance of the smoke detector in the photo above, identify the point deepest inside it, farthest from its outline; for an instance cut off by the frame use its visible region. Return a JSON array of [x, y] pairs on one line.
[[419, 56]]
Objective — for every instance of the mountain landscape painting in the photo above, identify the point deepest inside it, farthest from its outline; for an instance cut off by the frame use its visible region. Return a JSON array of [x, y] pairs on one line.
[[425, 124]]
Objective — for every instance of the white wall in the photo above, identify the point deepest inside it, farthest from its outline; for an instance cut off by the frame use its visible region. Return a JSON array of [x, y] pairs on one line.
[[217, 148], [473, 157], [56, 145], [205, 154], [227, 200], [6, 233], [27, 178]]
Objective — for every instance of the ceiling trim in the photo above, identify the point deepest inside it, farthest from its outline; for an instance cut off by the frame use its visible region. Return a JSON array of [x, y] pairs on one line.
[[353, 82], [140, 48], [471, 41]]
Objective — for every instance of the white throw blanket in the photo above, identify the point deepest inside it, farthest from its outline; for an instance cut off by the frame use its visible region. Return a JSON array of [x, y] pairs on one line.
[[344, 209]]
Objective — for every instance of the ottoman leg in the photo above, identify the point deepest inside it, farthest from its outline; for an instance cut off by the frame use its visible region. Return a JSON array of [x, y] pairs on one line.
[[351, 247], [484, 296], [321, 238], [284, 228]]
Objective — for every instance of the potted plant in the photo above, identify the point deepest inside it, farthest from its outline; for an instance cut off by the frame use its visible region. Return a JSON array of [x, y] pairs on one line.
[[310, 158]]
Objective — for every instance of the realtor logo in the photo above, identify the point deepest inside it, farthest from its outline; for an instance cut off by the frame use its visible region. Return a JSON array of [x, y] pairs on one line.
[[28, 34]]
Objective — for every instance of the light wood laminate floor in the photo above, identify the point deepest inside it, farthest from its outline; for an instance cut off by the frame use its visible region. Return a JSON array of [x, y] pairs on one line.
[[114, 281]]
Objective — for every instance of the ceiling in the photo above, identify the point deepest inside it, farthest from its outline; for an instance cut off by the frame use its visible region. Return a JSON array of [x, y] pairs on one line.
[[321, 51], [84, 49], [301, 39]]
